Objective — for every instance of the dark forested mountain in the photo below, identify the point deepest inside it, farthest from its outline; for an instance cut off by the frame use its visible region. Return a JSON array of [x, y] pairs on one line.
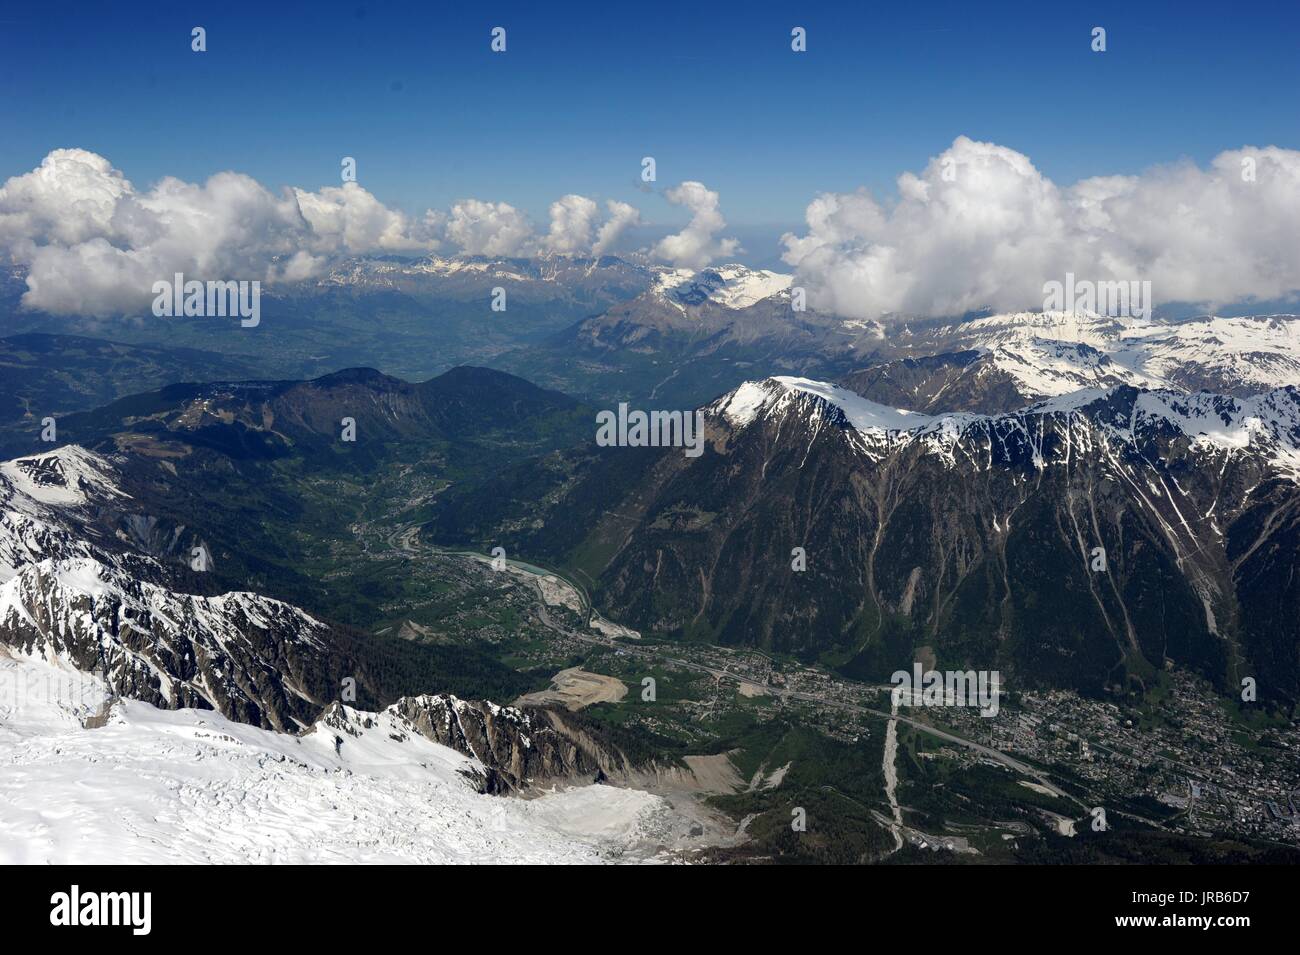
[[136, 560], [274, 419], [44, 375], [268, 476], [974, 535], [87, 577], [1083, 541]]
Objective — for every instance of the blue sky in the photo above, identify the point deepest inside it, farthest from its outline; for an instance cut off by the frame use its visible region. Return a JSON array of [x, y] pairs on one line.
[[585, 90]]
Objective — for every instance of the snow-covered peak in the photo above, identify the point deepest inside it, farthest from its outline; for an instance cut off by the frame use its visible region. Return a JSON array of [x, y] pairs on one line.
[[66, 475], [237, 653], [551, 267], [469, 265], [1260, 350], [1084, 327], [732, 286], [42, 500], [1268, 422], [387, 741], [772, 396], [1054, 353], [1267, 425]]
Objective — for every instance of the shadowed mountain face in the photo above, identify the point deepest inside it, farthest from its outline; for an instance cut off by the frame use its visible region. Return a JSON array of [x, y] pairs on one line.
[[959, 381], [82, 584], [76, 594], [43, 375], [263, 477], [972, 535], [1083, 542], [276, 419]]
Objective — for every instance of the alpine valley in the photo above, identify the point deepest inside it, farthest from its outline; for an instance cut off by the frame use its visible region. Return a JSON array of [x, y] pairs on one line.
[[360, 583]]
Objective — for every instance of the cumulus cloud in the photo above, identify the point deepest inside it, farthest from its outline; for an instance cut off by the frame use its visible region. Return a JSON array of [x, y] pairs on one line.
[[496, 228], [622, 216], [695, 246], [94, 245], [981, 226], [573, 219], [489, 228], [69, 198], [350, 218]]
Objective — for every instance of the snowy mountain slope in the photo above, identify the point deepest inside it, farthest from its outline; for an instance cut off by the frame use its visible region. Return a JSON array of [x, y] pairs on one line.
[[1045, 367], [709, 326], [1256, 352], [241, 654], [76, 589], [603, 278], [732, 286], [67, 475], [248, 760], [129, 619], [513, 749], [73, 590], [1264, 426], [48, 505], [186, 786], [1054, 353], [79, 603]]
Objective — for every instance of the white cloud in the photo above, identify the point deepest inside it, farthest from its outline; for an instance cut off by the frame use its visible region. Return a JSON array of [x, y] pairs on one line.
[[573, 219], [989, 234], [695, 246], [621, 217], [497, 228], [69, 198], [350, 218], [94, 245], [489, 228], [994, 229]]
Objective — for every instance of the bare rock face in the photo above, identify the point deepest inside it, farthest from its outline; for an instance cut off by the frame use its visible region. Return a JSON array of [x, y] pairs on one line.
[[249, 657], [513, 748], [260, 661], [516, 747]]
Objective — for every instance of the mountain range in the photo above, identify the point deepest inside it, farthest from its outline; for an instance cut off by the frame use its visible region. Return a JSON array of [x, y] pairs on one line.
[[1082, 503]]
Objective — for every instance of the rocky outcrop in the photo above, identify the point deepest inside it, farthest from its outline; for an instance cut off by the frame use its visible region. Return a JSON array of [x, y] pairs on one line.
[[249, 657], [513, 749]]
